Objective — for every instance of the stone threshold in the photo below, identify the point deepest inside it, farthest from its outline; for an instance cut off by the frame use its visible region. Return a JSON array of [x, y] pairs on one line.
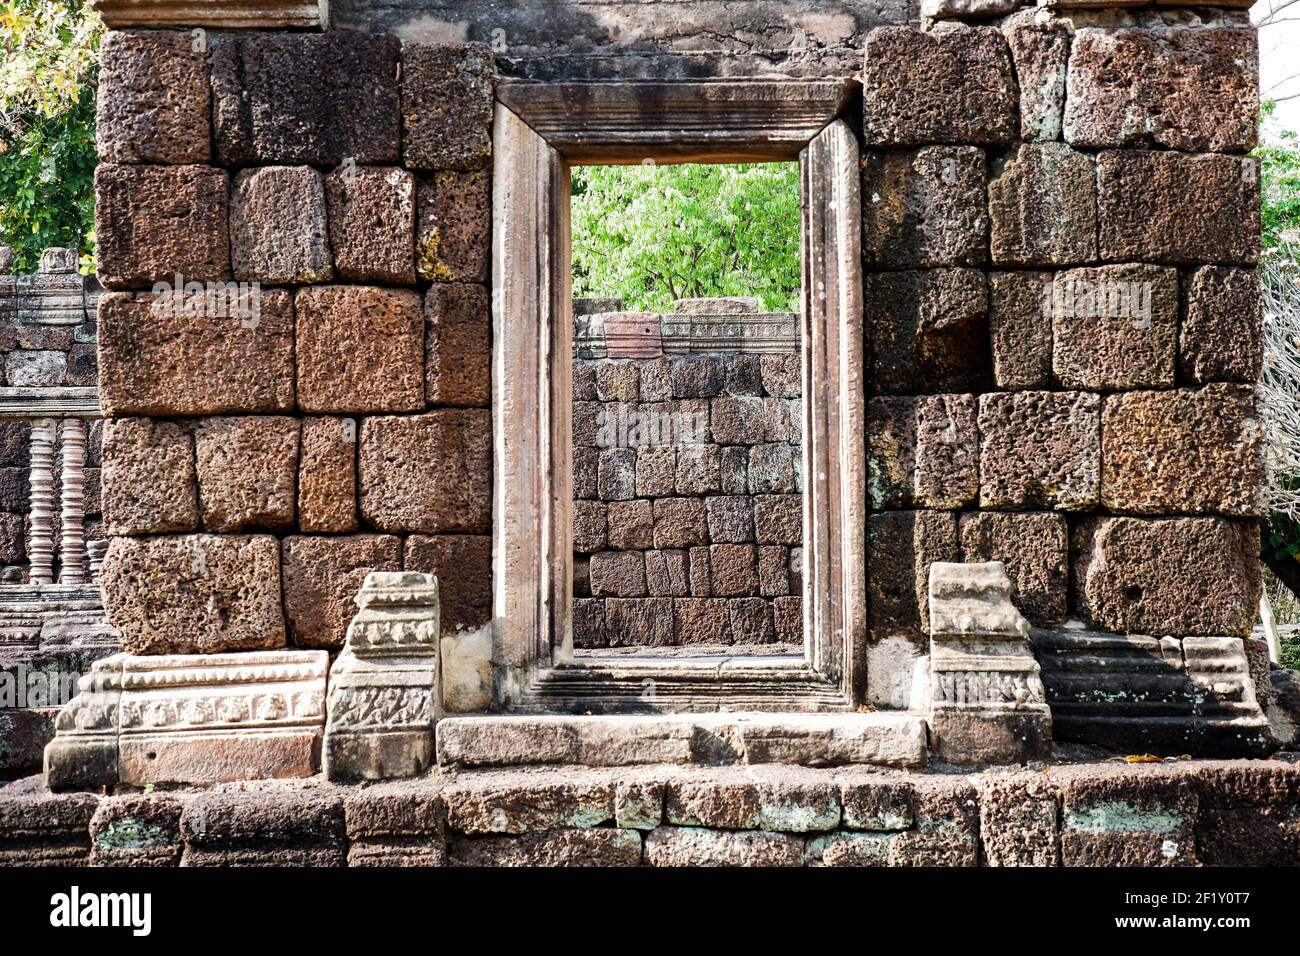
[[812, 740], [1093, 813]]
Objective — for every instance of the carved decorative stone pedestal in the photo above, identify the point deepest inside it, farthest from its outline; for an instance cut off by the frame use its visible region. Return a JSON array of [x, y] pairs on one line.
[[191, 718], [987, 703], [383, 689]]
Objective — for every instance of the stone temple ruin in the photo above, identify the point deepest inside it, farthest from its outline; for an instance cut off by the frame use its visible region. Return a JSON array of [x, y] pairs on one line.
[[342, 386]]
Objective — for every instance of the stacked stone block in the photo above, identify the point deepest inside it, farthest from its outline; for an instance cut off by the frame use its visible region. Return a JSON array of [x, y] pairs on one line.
[[1061, 225], [259, 462], [687, 515]]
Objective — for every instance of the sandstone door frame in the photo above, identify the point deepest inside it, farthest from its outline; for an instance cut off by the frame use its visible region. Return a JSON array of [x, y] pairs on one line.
[[539, 130]]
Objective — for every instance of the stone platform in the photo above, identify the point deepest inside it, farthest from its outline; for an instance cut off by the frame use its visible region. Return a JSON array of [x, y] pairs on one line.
[[1171, 813]]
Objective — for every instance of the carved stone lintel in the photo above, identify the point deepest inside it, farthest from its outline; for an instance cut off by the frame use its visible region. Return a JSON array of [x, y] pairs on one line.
[[191, 718], [213, 14], [384, 686], [986, 698]]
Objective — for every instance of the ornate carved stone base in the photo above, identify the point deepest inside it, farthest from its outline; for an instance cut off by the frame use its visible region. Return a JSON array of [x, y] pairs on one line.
[[383, 689], [194, 718], [987, 703], [1193, 695]]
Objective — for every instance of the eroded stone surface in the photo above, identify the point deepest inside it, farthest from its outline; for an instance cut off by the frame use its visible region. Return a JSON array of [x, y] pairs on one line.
[[1222, 333], [1189, 451], [279, 230], [1195, 90], [430, 473], [247, 471], [924, 208], [1034, 547], [194, 594], [327, 475], [446, 105], [372, 223], [153, 99], [927, 331], [922, 452], [1040, 450], [1042, 207], [1133, 575], [457, 347], [148, 481], [322, 576], [950, 87]]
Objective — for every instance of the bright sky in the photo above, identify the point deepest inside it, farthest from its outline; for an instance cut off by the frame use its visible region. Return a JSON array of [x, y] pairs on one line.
[[1279, 59]]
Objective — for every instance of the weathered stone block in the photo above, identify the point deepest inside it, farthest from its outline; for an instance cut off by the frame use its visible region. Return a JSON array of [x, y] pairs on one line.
[[546, 801], [696, 376], [1115, 327], [359, 349], [1128, 819], [457, 345], [39, 828], [750, 420], [697, 846], [680, 523], [616, 474], [733, 570], [778, 519], [882, 805], [153, 223], [698, 470], [787, 616], [787, 802], [586, 473], [1222, 334], [153, 99], [597, 846], [950, 87], [1040, 450], [1176, 208], [630, 525], [453, 222], [430, 473], [372, 223], [922, 452], [589, 526], [782, 375], [731, 519], [1134, 575], [1043, 207], [1018, 815], [279, 229], [656, 380], [327, 475], [617, 381], [446, 105], [701, 620], [639, 622], [770, 469], [589, 623], [240, 828], [773, 570], [158, 361], [301, 98], [1039, 52], [36, 369], [142, 830], [1192, 451], [618, 574], [667, 573], [927, 331], [751, 621], [1021, 329], [194, 594], [1195, 90], [924, 208], [734, 470], [656, 471], [148, 481], [463, 566], [247, 471], [901, 546], [322, 576], [1035, 550]]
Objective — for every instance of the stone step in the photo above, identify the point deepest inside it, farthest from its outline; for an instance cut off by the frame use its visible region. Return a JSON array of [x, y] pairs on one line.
[[818, 740]]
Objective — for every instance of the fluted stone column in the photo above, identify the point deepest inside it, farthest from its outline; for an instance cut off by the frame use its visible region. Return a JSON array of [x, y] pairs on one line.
[[40, 541], [73, 512]]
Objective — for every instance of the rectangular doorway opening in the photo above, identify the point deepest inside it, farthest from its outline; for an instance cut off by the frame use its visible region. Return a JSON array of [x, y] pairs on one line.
[[687, 420], [763, 365]]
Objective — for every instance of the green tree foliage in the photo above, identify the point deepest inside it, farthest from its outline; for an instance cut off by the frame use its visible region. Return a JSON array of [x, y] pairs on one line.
[[651, 234], [1280, 187], [48, 70]]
